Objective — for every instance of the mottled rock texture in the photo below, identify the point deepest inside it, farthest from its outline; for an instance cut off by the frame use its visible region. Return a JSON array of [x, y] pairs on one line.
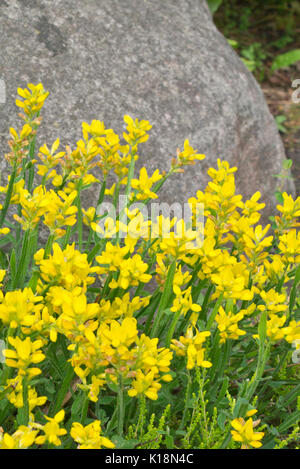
[[163, 61]]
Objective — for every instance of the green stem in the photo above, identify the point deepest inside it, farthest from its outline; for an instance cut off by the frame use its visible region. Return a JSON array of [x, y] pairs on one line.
[[186, 403], [79, 216], [261, 363], [24, 261], [95, 250], [85, 408], [48, 246], [127, 192], [31, 169], [7, 370], [121, 405], [151, 313], [168, 290], [172, 328], [23, 414], [57, 403], [99, 202], [67, 237], [205, 302], [8, 195], [214, 312]]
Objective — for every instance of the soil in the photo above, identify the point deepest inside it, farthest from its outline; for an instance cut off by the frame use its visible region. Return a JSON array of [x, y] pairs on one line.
[[274, 30], [278, 93]]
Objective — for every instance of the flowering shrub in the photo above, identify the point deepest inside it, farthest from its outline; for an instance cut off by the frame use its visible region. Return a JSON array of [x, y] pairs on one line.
[[126, 332]]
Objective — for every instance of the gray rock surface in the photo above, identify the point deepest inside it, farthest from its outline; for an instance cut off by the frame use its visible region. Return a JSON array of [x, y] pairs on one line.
[[163, 61]]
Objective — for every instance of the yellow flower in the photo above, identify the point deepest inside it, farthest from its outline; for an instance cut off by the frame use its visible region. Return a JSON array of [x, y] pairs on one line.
[[34, 97], [19, 308], [228, 325], [89, 215], [275, 329], [19, 145], [144, 383], [137, 227], [95, 129], [292, 332], [136, 130], [18, 189], [274, 302], [179, 243], [232, 281], [183, 302], [131, 270], [121, 307], [89, 437], [52, 430], [67, 268], [254, 243], [111, 258], [76, 319], [190, 346], [144, 184], [252, 207], [14, 393], [275, 269], [94, 387], [243, 432], [25, 353], [111, 228], [34, 206], [49, 159], [117, 348], [150, 357], [187, 156], [289, 246], [22, 438], [290, 212], [119, 336], [60, 212]]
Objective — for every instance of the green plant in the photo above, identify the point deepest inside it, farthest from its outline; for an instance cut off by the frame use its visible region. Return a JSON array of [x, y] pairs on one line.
[[286, 59], [140, 331]]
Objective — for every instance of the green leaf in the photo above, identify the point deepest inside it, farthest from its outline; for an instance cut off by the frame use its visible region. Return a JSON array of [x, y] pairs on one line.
[[169, 441], [214, 5], [279, 121], [12, 264], [6, 239], [250, 64], [287, 164], [279, 197], [221, 419], [293, 294], [76, 407], [241, 407], [121, 443], [285, 60], [289, 422], [234, 44], [262, 327]]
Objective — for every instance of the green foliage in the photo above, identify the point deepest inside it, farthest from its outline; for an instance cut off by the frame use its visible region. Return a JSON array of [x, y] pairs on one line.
[[274, 23], [214, 5], [286, 59], [280, 119]]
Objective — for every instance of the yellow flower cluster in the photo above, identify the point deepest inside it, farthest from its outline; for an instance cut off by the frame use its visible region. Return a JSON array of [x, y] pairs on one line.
[[228, 325], [89, 437], [191, 347], [115, 350], [243, 431], [26, 353], [88, 298], [129, 270]]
